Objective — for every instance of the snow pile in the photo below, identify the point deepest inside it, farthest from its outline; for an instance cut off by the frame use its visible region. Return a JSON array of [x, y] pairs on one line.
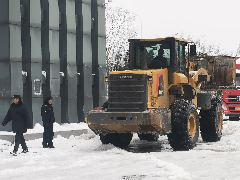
[[71, 126], [169, 171], [229, 141], [56, 127]]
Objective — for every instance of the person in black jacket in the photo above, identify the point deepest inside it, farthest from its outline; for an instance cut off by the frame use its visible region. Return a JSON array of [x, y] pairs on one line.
[[48, 120], [18, 114]]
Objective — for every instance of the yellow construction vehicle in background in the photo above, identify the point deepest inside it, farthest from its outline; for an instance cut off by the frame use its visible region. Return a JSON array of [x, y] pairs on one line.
[[160, 95]]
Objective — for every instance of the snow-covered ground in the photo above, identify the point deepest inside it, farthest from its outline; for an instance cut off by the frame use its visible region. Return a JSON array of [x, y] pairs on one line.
[[84, 157]]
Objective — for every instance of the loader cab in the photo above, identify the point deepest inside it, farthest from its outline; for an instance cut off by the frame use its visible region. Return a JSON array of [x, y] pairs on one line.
[[158, 53]]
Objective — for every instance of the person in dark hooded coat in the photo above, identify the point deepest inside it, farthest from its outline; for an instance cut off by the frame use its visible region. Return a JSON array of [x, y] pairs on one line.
[[21, 121], [48, 120]]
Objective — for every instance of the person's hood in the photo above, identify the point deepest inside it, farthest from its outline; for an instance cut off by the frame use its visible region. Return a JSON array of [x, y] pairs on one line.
[[46, 100]]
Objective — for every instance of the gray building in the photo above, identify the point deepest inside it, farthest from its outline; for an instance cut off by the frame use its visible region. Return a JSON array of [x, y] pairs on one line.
[[53, 47]]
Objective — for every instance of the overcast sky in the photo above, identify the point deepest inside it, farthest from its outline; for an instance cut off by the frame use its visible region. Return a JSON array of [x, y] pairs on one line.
[[216, 21]]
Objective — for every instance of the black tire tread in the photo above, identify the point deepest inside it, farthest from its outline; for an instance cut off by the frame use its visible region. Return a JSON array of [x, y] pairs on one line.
[[148, 137], [208, 124], [120, 140], [234, 118], [179, 139]]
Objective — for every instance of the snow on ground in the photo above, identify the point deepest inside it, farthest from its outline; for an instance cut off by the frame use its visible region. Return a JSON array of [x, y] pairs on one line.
[[84, 157]]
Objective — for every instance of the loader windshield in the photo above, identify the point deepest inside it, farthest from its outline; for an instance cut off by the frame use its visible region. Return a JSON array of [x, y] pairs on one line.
[[153, 56]]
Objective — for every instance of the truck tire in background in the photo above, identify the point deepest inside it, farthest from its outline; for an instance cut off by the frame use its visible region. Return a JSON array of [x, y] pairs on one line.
[[105, 138], [185, 125], [120, 140], [234, 118], [211, 122], [148, 137]]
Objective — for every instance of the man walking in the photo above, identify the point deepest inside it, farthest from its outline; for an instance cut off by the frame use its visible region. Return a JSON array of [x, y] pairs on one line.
[[48, 120], [18, 114]]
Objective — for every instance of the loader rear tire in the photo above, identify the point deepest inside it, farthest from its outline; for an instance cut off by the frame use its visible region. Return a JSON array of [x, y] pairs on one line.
[[148, 137], [185, 125], [211, 122], [120, 140]]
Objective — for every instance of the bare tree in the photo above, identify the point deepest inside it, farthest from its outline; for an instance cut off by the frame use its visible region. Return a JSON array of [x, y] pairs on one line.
[[120, 26], [238, 50], [205, 48]]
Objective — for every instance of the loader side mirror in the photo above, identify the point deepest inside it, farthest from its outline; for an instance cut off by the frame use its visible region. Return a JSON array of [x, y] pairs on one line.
[[193, 51]]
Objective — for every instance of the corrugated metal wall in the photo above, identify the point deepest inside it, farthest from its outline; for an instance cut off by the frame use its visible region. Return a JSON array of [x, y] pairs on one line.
[[53, 47]]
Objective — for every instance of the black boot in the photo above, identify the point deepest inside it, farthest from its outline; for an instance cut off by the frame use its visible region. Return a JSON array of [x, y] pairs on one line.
[[14, 152], [50, 145], [44, 145], [25, 151]]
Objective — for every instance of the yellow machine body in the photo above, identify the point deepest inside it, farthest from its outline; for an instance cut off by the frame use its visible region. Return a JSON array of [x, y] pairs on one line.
[[157, 86]]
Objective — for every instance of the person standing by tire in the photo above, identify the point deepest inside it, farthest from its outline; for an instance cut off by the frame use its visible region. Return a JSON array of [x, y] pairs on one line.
[[21, 121], [48, 120]]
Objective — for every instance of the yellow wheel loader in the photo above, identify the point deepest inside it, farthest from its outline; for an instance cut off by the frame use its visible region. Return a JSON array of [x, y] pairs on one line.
[[160, 93]]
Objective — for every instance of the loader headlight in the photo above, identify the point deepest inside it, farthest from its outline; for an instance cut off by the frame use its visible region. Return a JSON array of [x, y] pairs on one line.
[[106, 78], [149, 78]]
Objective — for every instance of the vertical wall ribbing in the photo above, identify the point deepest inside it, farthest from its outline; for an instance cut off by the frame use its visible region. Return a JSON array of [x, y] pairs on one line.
[[45, 48], [101, 51], [79, 60], [10, 55], [63, 60], [94, 36], [36, 59], [52, 47], [55, 77], [87, 56], [26, 53]]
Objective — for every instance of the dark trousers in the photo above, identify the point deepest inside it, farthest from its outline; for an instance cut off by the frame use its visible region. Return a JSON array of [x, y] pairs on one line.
[[48, 134], [19, 139]]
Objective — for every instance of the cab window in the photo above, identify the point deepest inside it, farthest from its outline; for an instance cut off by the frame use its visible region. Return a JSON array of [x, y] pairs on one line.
[[180, 65], [155, 55]]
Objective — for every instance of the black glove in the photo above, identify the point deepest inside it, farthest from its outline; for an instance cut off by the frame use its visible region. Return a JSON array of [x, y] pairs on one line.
[[3, 124]]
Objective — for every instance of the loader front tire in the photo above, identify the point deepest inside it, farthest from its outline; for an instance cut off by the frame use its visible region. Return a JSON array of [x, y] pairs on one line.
[[211, 122], [148, 137], [120, 140], [185, 125], [105, 138]]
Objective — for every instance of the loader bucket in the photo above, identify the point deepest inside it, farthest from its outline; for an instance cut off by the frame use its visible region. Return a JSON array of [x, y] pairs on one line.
[[222, 71]]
